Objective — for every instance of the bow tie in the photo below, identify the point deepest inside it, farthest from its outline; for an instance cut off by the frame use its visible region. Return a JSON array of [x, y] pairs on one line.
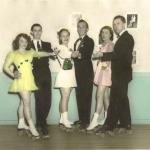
[[79, 39], [118, 36]]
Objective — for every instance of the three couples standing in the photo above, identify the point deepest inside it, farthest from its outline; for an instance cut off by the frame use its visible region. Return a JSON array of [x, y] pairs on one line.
[[121, 59]]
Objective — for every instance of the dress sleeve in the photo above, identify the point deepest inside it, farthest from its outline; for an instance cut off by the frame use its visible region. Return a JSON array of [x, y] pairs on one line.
[[9, 60], [40, 54]]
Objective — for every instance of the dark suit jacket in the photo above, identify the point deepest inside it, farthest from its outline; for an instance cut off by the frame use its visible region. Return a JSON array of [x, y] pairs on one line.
[[121, 58], [41, 69], [83, 66]]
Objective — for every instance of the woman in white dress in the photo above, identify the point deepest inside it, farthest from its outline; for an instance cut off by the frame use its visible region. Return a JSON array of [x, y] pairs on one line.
[[65, 79]]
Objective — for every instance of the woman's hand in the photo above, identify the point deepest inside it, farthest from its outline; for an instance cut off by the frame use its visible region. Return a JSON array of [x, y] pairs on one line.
[[104, 65], [17, 75], [79, 56], [56, 51], [97, 55]]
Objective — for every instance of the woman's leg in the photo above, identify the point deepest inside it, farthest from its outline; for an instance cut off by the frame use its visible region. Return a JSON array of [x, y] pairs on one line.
[[26, 98], [20, 110], [106, 103], [65, 94], [21, 118], [99, 107], [100, 98], [106, 98]]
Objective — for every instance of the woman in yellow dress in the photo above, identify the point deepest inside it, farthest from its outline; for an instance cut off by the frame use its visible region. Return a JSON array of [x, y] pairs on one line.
[[21, 58]]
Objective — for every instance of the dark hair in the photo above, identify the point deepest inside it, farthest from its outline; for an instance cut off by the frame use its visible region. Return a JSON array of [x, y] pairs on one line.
[[122, 18], [84, 22], [35, 25], [111, 33], [15, 43], [59, 33]]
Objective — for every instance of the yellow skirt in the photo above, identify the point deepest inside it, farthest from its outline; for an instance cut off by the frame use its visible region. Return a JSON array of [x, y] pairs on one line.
[[26, 84]]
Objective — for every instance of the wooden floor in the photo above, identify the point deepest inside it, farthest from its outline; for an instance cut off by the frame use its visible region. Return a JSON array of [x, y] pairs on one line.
[[9, 140]]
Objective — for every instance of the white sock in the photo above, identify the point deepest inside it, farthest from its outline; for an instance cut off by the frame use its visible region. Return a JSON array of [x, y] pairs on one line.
[[103, 120], [65, 120], [94, 122], [61, 120], [22, 124], [105, 114], [32, 128]]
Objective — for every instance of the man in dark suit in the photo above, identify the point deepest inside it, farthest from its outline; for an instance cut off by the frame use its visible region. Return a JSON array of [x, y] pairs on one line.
[[84, 74], [42, 77], [121, 65]]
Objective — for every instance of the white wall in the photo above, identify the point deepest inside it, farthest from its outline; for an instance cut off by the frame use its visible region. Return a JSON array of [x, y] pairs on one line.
[[18, 15]]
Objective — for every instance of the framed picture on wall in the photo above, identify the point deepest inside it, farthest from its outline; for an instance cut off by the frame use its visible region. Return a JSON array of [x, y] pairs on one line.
[[132, 20]]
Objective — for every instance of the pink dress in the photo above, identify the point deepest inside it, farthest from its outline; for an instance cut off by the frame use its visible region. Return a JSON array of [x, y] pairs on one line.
[[103, 70]]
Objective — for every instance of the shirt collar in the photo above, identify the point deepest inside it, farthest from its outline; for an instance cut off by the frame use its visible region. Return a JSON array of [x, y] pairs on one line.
[[122, 32], [82, 37], [35, 41]]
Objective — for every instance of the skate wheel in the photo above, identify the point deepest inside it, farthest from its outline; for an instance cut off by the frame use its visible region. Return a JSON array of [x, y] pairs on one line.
[[89, 131], [100, 134], [20, 132], [110, 133], [34, 138], [28, 133], [96, 128], [69, 130], [129, 132], [62, 127]]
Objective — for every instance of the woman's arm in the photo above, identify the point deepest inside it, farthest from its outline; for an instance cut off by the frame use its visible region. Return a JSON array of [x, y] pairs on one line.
[[7, 63], [43, 54]]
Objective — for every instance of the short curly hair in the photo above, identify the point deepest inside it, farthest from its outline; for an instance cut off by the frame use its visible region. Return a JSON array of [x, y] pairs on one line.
[[15, 43], [59, 33]]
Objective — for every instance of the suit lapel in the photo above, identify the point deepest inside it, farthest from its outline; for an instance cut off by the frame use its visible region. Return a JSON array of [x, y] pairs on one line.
[[42, 45], [81, 43], [121, 37]]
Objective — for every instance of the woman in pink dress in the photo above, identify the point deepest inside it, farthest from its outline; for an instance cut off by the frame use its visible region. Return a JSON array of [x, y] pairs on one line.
[[102, 77]]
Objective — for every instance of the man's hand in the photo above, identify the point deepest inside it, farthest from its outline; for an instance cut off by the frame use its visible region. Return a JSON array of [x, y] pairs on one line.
[[79, 56], [75, 54], [97, 55], [17, 75]]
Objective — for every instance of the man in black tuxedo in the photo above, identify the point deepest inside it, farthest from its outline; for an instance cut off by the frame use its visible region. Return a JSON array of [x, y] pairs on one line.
[[84, 74], [121, 65], [42, 77]]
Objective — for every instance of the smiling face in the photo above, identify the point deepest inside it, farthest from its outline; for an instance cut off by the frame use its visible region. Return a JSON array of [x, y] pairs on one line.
[[64, 37], [118, 25], [23, 43], [82, 29], [106, 35], [36, 32]]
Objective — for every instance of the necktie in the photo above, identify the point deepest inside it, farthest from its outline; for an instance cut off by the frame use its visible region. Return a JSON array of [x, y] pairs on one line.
[[38, 45]]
